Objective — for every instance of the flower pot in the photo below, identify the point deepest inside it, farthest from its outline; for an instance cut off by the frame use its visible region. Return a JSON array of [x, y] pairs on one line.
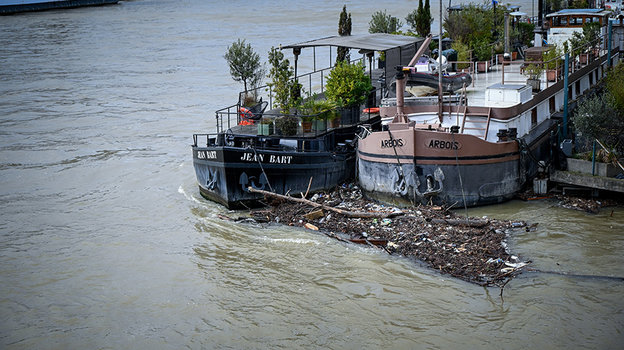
[[334, 123], [534, 84], [349, 115], [514, 55], [583, 58], [552, 74], [265, 129], [306, 125], [483, 66], [320, 125]]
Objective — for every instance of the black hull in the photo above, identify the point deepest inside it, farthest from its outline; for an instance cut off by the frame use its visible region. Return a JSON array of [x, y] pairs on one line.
[[226, 177]]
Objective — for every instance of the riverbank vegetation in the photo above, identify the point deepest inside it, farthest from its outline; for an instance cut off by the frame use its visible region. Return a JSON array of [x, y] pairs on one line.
[[601, 117]]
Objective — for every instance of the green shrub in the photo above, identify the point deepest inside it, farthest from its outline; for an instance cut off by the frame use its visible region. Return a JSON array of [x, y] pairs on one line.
[[347, 84]]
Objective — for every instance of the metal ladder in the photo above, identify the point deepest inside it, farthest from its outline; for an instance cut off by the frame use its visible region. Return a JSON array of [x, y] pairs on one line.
[[477, 118]]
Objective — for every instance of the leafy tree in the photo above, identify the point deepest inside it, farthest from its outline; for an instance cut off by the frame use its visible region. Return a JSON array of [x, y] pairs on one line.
[[581, 41], [281, 75], [553, 5], [602, 116], [344, 28], [244, 64], [524, 33], [412, 17], [381, 22], [578, 4], [614, 80], [472, 24], [420, 19]]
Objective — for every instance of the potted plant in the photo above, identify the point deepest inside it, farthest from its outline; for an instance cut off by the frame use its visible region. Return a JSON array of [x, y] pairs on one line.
[[483, 54], [324, 112], [287, 125], [348, 87], [552, 59], [463, 55], [306, 123], [534, 72], [265, 127]]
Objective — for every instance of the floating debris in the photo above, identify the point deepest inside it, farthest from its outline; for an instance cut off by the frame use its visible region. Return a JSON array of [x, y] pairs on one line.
[[472, 249]]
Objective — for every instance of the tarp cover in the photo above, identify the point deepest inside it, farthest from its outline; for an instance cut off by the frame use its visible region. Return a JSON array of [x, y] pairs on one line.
[[370, 42]]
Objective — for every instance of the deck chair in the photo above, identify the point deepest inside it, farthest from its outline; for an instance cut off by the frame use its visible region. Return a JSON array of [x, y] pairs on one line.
[[258, 109]]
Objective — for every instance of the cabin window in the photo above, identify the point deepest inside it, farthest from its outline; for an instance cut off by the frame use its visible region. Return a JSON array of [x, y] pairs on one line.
[[560, 21], [576, 21], [551, 104], [577, 87], [533, 117]]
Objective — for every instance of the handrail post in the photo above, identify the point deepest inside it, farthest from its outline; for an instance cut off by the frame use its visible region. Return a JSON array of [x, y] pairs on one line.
[[609, 37], [594, 158], [565, 96]]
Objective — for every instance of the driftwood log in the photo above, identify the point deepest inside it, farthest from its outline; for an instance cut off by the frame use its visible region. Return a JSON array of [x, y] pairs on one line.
[[351, 214]]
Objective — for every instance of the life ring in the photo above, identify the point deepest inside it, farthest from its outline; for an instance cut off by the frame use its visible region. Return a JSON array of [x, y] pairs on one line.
[[371, 110], [245, 116]]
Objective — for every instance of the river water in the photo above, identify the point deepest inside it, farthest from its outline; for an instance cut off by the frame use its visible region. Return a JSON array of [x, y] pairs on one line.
[[105, 242]]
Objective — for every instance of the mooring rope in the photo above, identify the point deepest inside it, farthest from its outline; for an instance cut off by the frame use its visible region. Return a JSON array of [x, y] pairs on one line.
[[461, 183], [261, 167], [400, 165]]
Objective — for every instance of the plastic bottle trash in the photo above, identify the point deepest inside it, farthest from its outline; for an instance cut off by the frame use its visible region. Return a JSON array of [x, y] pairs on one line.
[[517, 224]]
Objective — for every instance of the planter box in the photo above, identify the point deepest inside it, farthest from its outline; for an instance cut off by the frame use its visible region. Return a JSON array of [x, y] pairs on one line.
[[349, 115], [265, 129], [553, 74], [583, 58], [540, 186], [534, 84], [585, 167], [483, 66], [307, 126], [319, 125]]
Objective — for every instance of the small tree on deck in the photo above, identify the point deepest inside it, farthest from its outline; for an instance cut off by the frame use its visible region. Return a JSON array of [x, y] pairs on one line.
[[244, 64]]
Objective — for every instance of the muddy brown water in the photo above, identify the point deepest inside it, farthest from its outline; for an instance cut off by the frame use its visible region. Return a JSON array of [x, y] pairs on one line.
[[105, 242]]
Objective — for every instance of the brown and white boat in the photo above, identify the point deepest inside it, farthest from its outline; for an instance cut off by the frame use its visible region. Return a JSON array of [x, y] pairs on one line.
[[475, 148]]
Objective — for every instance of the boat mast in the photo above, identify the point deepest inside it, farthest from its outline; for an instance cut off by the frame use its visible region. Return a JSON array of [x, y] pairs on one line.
[[440, 67]]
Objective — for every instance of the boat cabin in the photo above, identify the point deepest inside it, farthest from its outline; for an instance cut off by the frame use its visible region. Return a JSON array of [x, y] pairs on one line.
[[562, 24]]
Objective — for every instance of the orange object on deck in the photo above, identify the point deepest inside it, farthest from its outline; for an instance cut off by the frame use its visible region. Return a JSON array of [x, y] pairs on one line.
[[245, 115], [371, 110]]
